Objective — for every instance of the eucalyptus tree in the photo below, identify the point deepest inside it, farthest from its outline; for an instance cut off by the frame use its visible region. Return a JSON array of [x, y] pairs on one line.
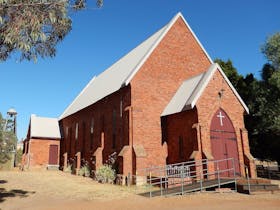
[[32, 28]]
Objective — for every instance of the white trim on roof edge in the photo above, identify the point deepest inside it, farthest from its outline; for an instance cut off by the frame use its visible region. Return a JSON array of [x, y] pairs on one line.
[[66, 110], [170, 24], [207, 78], [233, 89]]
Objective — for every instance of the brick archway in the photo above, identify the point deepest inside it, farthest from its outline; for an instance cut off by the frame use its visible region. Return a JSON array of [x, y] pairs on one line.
[[224, 142]]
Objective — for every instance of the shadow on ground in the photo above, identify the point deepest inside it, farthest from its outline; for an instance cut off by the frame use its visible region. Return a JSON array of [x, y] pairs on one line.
[[12, 193]]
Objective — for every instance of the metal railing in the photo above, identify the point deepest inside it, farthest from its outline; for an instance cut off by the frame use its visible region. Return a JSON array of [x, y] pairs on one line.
[[189, 176]]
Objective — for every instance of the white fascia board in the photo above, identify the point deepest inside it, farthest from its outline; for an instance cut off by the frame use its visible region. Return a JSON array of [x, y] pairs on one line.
[[202, 84], [205, 80], [199, 43], [170, 24], [233, 89], [63, 115]]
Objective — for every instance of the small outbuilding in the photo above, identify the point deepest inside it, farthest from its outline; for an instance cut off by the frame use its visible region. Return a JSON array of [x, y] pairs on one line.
[[42, 144]]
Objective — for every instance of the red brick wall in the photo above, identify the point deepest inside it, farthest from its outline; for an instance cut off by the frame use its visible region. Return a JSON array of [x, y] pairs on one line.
[[180, 125], [39, 151], [177, 57], [210, 102], [102, 112]]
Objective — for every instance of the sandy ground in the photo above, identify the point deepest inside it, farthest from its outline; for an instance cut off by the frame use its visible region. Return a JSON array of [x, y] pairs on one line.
[[55, 190]]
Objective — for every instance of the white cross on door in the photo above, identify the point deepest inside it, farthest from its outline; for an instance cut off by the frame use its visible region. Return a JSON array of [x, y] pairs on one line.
[[221, 118]]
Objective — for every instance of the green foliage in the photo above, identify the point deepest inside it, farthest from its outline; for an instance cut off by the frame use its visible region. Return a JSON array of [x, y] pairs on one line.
[[34, 27], [231, 72], [68, 169], [271, 49], [85, 171], [105, 174], [7, 142], [81, 172], [18, 157]]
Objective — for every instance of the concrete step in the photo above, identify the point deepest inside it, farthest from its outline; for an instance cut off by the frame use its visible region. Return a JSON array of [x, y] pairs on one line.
[[257, 188]]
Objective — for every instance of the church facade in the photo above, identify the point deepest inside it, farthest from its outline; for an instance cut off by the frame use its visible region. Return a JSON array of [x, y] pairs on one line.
[[164, 102]]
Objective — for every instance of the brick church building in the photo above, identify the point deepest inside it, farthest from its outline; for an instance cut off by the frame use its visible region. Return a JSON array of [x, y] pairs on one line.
[[164, 102], [42, 143]]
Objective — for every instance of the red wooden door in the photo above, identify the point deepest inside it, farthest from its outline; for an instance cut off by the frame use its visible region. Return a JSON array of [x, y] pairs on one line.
[[53, 155], [224, 143]]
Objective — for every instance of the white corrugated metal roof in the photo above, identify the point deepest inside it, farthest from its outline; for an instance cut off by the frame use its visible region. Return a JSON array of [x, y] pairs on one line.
[[112, 79], [182, 96], [191, 89], [121, 72], [43, 127]]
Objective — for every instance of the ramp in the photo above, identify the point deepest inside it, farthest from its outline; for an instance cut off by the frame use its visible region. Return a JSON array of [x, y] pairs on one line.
[[186, 177], [189, 188]]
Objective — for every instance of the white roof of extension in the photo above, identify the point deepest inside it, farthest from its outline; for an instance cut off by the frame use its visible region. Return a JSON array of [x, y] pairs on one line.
[[43, 127], [121, 73], [191, 89]]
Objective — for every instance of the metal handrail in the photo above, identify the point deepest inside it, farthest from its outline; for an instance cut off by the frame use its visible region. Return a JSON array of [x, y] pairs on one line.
[[159, 176], [154, 168], [184, 164]]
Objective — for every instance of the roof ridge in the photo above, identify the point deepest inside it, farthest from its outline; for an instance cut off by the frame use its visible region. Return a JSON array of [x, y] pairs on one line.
[[68, 107]]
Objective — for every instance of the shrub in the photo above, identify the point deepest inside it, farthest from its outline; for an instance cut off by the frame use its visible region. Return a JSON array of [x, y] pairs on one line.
[[84, 171], [87, 170], [18, 157], [68, 169], [105, 174], [81, 171]]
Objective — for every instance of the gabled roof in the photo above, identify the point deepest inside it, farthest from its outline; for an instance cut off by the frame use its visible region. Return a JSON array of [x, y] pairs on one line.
[[191, 89], [42, 127], [121, 73]]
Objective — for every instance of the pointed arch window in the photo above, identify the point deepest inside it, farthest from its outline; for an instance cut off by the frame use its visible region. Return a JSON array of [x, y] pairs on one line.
[[114, 128], [76, 131], [91, 133], [181, 147]]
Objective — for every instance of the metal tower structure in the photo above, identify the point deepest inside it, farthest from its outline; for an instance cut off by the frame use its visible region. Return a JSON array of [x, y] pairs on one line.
[[11, 120]]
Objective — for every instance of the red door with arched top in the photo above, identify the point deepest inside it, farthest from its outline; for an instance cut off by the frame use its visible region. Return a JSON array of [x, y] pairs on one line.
[[224, 143]]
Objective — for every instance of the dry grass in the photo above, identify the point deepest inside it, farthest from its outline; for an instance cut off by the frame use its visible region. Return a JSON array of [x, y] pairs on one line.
[[63, 185], [45, 190]]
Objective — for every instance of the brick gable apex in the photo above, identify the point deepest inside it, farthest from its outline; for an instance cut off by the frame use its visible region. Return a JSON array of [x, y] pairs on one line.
[[167, 28], [214, 68]]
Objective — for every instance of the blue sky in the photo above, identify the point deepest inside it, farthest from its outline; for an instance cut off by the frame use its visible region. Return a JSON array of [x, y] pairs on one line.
[[226, 29]]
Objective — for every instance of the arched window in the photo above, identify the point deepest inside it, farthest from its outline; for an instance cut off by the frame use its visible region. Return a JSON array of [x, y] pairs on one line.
[[91, 133], [76, 131], [181, 147], [114, 128]]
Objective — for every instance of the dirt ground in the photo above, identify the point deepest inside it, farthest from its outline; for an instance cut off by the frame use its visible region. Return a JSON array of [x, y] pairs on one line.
[[55, 190]]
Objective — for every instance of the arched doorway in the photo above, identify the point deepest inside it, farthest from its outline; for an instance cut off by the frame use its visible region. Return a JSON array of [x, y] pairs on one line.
[[224, 142]]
